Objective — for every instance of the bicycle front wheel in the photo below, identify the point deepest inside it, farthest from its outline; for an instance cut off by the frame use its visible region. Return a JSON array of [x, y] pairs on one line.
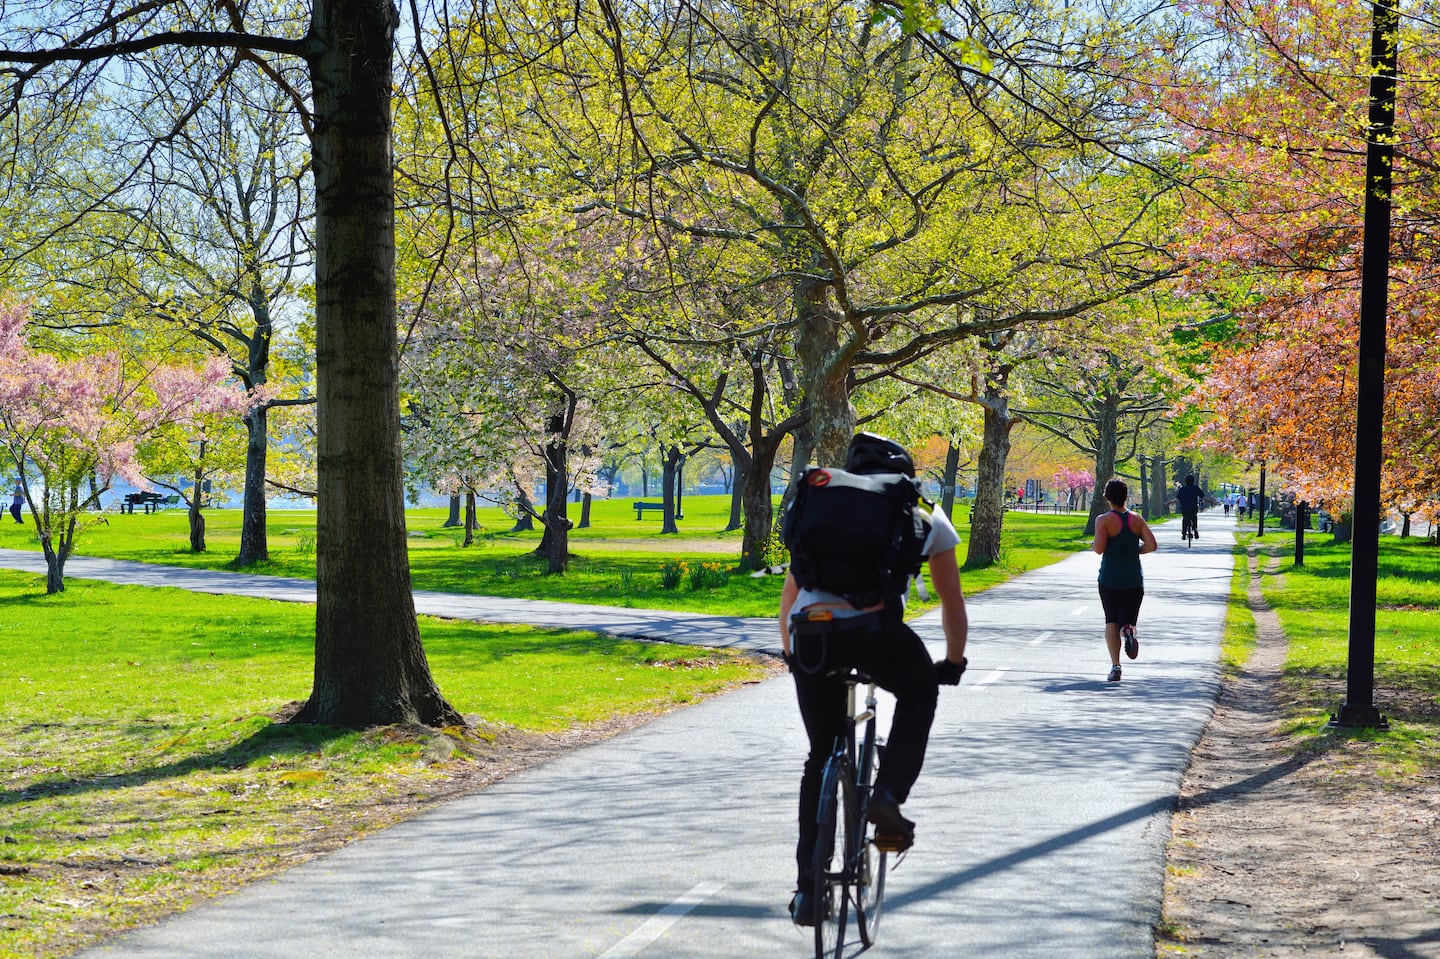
[[829, 866]]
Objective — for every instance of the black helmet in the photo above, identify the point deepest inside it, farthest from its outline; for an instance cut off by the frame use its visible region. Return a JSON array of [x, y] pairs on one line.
[[870, 453]]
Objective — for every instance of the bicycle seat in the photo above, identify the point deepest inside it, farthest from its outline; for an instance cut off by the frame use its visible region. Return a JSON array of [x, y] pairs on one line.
[[851, 674]]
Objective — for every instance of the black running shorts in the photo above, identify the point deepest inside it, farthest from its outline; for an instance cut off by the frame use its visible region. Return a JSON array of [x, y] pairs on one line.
[[1122, 606]]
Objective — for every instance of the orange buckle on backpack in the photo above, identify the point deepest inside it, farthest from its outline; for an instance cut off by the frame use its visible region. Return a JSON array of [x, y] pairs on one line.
[[819, 615]]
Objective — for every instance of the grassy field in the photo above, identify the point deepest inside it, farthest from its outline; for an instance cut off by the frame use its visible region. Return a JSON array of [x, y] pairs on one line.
[[618, 561], [143, 764], [1313, 601]]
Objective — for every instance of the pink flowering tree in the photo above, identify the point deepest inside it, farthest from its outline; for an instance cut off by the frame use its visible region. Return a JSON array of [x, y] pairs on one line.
[[1073, 482], [71, 426], [199, 441]]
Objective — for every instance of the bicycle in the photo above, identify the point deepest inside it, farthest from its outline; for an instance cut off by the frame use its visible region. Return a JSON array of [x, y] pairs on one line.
[[849, 869], [1188, 524]]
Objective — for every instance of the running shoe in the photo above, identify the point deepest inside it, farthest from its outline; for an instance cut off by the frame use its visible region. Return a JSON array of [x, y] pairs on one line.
[[1132, 645], [1114, 676]]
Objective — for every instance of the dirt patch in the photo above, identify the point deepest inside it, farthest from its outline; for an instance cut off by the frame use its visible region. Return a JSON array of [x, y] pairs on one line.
[[1278, 852]]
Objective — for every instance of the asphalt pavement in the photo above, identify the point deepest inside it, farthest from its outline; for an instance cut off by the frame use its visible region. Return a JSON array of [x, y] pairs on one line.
[[1042, 812]]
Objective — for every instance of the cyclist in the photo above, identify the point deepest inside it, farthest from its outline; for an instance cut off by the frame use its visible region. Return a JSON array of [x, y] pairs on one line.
[[885, 648], [1189, 496]]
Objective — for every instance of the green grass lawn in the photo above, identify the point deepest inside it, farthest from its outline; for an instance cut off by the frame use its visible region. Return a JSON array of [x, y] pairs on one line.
[[618, 561], [1313, 601], [142, 765]]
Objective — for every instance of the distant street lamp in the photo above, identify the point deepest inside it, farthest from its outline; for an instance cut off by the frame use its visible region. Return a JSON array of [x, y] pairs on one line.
[[1358, 708]]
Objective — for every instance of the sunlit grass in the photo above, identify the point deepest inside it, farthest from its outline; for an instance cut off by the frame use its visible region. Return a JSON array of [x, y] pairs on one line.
[[142, 766], [616, 562]]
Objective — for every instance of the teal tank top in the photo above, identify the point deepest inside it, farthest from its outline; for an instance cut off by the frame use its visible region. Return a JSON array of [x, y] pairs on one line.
[[1120, 563]]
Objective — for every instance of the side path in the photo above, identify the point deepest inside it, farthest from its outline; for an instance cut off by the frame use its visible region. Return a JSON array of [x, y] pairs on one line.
[[758, 635], [1042, 814]]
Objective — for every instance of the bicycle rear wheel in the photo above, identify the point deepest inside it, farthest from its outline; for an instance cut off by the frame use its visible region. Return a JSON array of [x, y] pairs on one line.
[[869, 888], [869, 861], [829, 867]]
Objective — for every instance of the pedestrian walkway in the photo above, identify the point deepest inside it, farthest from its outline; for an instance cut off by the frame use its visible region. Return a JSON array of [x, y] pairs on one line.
[[1042, 812], [757, 635]]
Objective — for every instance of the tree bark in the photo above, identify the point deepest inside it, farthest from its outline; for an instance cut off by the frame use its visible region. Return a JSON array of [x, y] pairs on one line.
[[470, 518], [193, 507], [1158, 484], [254, 542], [1106, 441], [370, 668], [453, 519], [673, 459], [949, 480], [525, 522], [737, 502], [826, 388], [759, 504], [987, 515], [555, 544]]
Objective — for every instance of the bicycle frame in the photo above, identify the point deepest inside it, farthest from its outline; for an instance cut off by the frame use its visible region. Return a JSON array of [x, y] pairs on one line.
[[844, 801]]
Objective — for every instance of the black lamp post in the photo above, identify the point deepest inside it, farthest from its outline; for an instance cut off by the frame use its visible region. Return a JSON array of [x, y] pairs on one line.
[[1358, 709]]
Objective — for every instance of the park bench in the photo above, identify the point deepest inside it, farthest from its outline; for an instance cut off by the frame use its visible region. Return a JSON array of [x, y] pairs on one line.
[[149, 502], [641, 508]]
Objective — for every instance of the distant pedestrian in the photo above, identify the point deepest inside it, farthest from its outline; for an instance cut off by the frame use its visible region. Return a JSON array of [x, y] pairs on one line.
[[1121, 537], [16, 502]]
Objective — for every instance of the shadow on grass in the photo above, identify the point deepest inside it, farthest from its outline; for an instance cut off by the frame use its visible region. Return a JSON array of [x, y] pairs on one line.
[[273, 740]]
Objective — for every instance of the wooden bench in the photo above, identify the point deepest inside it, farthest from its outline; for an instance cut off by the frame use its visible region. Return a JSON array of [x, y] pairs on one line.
[[641, 508]]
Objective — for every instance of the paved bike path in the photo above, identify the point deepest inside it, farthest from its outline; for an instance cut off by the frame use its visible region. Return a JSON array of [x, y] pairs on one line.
[[696, 629], [1043, 812]]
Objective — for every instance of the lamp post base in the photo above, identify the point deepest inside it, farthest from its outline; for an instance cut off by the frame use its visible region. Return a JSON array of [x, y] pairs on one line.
[[1358, 717]]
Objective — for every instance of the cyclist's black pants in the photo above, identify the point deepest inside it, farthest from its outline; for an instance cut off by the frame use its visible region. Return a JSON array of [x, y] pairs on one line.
[[1190, 520], [898, 662]]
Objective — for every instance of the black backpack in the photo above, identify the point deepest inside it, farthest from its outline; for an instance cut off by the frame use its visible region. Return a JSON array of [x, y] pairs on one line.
[[857, 535]]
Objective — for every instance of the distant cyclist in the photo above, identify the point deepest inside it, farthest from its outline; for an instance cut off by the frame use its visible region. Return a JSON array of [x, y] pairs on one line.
[[1189, 496]]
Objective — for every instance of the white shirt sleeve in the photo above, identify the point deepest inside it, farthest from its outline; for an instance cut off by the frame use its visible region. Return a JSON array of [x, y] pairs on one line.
[[942, 535]]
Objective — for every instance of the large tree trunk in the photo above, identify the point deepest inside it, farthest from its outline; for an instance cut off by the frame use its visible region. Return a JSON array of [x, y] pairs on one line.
[[673, 459], [197, 526], [737, 501], [825, 381], [987, 514], [1106, 441], [949, 480], [525, 522], [193, 507], [759, 504], [54, 564], [1145, 510], [254, 544], [370, 668], [555, 544], [1159, 485], [453, 518]]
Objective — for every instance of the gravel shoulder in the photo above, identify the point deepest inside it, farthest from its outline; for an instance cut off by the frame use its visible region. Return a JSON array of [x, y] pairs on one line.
[[1279, 852]]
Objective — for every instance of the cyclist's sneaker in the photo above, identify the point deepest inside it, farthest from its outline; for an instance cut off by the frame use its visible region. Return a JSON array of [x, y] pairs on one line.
[[1114, 676], [802, 908], [893, 832], [1132, 644]]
